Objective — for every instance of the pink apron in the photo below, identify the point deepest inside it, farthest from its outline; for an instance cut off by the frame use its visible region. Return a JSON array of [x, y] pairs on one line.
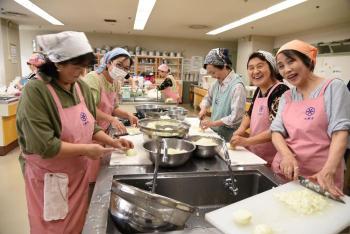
[[77, 127], [171, 92], [106, 105], [260, 122], [306, 123]]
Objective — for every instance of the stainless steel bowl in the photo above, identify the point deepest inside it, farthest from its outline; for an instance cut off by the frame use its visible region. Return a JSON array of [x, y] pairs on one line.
[[202, 151], [150, 108], [177, 112], [173, 160], [138, 210], [163, 128], [157, 114]]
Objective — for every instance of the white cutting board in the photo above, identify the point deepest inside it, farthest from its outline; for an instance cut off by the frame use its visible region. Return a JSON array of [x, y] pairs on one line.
[[267, 209], [141, 158], [243, 157]]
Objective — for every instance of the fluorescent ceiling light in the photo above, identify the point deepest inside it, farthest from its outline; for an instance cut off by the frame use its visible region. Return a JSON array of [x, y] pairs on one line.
[[40, 12], [258, 15], [144, 10]]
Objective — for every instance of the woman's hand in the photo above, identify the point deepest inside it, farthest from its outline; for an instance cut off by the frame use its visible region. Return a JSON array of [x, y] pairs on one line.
[[122, 144], [133, 120], [289, 167], [202, 113], [206, 124], [239, 132], [118, 125], [239, 141], [96, 151], [325, 178]]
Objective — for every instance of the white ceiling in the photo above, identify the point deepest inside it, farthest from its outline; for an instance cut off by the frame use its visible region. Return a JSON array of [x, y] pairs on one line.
[[171, 18]]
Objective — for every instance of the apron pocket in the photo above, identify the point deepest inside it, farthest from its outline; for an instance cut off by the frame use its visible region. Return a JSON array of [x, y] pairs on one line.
[[55, 196]]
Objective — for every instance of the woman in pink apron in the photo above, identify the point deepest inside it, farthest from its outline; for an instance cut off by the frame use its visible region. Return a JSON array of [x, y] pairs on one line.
[[56, 128], [262, 72], [169, 86], [312, 125], [105, 85]]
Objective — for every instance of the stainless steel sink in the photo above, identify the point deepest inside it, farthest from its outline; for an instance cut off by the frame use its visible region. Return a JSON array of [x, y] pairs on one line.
[[204, 190]]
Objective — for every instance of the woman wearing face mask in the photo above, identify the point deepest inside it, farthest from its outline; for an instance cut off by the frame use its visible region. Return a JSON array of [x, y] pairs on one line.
[[226, 96], [169, 86], [56, 126], [105, 85], [262, 72], [311, 128]]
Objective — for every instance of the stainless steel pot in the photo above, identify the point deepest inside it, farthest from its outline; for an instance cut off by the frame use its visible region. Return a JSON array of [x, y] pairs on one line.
[[143, 211], [173, 160], [157, 114], [202, 151]]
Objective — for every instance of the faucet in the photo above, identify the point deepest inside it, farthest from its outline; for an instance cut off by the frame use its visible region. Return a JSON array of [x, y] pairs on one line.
[[230, 183], [153, 184]]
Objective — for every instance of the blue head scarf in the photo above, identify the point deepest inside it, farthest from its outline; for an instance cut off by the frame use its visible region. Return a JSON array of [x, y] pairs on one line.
[[108, 56]]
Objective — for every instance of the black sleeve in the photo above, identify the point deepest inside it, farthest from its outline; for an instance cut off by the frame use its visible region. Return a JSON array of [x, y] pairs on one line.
[[166, 83], [249, 112], [274, 99], [348, 85]]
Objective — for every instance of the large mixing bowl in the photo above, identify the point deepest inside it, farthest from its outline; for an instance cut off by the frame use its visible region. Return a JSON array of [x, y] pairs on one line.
[[203, 151], [178, 113], [173, 160], [136, 210], [150, 108], [163, 128]]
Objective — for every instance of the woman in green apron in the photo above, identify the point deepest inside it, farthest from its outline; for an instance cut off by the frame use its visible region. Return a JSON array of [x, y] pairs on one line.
[[226, 97]]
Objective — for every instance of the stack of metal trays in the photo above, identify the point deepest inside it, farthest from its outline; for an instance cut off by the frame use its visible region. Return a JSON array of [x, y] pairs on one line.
[[162, 128]]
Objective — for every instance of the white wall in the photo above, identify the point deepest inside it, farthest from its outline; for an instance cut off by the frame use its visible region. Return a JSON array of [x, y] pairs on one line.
[[326, 34], [9, 36], [188, 47]]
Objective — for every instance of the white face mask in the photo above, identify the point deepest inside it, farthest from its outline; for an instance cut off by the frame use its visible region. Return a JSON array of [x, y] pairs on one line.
[[117, 73]]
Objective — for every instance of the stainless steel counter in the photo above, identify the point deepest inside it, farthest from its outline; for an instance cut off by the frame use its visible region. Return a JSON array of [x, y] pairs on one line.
[[97, 217]]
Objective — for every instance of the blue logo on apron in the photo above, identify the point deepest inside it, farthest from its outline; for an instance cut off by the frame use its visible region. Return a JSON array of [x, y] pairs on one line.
[[83, 118], [310, 111]]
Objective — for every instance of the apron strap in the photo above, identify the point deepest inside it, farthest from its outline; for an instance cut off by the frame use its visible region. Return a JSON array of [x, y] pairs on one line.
[[80, 95], [325, 86]]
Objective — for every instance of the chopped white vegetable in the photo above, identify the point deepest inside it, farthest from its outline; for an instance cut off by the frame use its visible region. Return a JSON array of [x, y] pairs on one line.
[[174, 151], [303, 201], [206, 142], [242, 217], [131, 152], [263, 229]]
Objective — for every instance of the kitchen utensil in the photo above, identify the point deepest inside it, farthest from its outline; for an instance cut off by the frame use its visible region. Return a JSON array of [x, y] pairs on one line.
[[156, 114], [203, 151], [267, 209], [317, 188], [173, 160], [178, 113], [143, 211], [153, 128], [150, 108]]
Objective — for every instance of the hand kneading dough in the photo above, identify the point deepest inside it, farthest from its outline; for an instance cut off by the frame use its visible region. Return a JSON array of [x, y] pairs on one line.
[[242, 217]]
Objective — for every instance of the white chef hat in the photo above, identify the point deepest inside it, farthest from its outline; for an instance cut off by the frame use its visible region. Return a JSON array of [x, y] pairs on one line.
[[63, 46]]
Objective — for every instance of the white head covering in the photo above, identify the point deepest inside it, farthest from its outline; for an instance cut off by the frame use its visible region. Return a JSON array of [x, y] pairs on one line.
[[64, 45], [270, 59]]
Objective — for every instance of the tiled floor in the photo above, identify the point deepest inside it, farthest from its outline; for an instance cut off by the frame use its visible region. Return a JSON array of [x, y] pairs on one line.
[[13, 207]]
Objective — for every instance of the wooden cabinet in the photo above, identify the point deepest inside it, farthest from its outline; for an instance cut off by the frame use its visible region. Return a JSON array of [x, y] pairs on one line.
[[8, 133], [151, 63]]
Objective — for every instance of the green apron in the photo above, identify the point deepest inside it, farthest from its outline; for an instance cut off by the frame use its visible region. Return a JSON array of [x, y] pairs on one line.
[[221, 106]]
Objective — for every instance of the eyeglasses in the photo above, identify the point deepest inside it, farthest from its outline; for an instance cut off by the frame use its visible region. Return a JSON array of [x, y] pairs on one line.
[[118, 65]]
